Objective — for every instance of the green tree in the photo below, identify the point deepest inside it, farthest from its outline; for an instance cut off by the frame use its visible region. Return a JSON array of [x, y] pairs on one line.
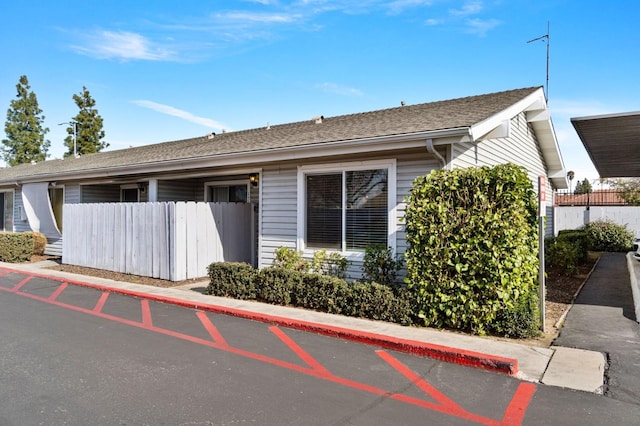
[[88, 127], [24, 129], [583, 187], [629, 189]]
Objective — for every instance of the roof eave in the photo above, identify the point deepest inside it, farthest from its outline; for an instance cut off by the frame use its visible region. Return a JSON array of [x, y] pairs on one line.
[[340, 147]]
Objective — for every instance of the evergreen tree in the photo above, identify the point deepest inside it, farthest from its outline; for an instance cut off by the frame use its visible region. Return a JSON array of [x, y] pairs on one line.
[[583, 187], [24, 129], [88, 127]]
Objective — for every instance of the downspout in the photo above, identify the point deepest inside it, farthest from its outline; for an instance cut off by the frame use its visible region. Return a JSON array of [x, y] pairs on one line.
[[432, 150]]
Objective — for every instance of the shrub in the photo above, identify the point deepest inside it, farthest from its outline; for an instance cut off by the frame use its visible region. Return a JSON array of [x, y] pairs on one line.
[[605, 235], [379, 265], [561, 255], [39, 243], [16, 247], [579, 240], [230, 279], [290, 259], [473, 250], [333, 264], [277, 285]]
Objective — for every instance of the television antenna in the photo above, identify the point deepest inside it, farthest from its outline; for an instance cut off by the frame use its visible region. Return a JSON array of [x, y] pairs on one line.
[[545, 38]]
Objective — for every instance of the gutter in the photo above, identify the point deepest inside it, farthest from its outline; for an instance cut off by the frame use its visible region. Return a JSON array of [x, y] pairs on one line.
[[237, 158]]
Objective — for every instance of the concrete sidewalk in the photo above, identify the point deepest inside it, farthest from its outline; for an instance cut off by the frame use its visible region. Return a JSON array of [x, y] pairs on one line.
[[558, 366], [603, 319]]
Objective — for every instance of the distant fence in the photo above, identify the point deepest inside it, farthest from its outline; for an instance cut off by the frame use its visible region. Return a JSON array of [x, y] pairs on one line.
[[172, 241], [601, 197]]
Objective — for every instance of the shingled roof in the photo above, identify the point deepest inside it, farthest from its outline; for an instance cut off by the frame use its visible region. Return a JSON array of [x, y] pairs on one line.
[[404, 120]]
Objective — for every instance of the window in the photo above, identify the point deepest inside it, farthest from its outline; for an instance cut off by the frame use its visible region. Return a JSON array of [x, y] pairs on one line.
[[130, 195], [227, 192], [347, 209], [6, 211]]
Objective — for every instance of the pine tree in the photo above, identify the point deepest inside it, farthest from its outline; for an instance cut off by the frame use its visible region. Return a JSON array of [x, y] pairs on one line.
[[24, 129], [88, 127], [583, 187]]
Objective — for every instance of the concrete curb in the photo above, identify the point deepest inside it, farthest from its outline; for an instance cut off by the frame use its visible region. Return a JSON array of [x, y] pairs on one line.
[[634, 285], [465, 357]]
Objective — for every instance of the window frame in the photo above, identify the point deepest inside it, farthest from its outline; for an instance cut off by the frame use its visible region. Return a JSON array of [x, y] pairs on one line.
[[11, 213], [228, 183], [317, 169], [129, 186]]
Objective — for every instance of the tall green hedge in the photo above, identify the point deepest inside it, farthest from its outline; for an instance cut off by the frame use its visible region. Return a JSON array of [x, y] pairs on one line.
[[472, 259]]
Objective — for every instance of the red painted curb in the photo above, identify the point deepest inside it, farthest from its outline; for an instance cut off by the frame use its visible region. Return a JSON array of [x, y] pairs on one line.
[[444, 353]]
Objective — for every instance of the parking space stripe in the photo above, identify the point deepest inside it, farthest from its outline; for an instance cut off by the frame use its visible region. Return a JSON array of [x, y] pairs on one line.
[[58, 291], [101, 302], [211, 329], [146, 313], [18, 286], [304, 355]]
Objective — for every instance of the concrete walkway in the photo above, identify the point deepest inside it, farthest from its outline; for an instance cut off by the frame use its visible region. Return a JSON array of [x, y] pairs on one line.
[[603, 319], [558, 366]]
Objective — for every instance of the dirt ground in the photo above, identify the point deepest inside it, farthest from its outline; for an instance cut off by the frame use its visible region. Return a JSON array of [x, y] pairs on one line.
[[560, 292]]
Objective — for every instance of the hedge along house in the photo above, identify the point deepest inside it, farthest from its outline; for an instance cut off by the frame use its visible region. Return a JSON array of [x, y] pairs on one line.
[[334, 183]]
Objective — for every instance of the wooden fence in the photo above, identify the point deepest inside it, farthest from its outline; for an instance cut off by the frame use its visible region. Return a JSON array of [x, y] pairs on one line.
[[173, 240]]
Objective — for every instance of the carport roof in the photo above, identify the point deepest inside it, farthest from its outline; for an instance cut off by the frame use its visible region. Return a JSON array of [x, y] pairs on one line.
[[613, 142]]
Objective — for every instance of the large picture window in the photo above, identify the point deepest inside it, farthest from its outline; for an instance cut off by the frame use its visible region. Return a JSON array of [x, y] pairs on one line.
[[347, 209]]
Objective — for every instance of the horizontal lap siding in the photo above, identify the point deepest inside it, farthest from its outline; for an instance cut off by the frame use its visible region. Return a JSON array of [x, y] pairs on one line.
[[521, 148], [408, 169], [100, 194], [279, 207], [19, 224], [180, 190]]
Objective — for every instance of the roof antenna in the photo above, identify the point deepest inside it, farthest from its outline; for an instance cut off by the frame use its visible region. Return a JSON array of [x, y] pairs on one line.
[[547, 38]]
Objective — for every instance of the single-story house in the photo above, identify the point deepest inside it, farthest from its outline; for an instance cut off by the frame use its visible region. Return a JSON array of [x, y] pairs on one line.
[[336, 183]]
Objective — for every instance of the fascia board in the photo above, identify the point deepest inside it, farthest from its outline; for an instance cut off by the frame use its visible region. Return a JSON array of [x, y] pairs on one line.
[[367, 145]]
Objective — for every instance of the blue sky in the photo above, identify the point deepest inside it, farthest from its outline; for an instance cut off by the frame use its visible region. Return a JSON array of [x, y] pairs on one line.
[[167, 70]]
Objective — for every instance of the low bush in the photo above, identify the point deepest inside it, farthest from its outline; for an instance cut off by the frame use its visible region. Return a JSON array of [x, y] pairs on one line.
[[230, 279], [324, 293], [579, 239], [290, 259], [605, 235], [332, 263], [39, 242], [561, 255], [380, 266], [16, 247]]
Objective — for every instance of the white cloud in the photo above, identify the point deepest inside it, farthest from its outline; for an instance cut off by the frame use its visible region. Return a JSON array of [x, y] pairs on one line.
[[340, 90], [481, 26], [123, 45], [175, 112], [469, 8]]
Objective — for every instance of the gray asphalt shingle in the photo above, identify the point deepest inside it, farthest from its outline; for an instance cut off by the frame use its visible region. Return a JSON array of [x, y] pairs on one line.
[[441, 115]]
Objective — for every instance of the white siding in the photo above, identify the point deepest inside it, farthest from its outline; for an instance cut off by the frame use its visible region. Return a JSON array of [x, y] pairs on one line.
[[279, 206], [520, 148], [278, 210], [408, 168], [72, 194], [20, 222]]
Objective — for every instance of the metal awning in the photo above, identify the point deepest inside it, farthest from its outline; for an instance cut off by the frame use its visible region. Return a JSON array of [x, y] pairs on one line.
[[613, 143]]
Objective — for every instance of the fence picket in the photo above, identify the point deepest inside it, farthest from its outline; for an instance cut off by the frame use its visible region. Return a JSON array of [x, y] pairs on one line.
[[170, 240]]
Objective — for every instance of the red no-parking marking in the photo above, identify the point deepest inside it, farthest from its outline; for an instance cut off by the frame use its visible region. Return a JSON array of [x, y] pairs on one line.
[[513, 414]]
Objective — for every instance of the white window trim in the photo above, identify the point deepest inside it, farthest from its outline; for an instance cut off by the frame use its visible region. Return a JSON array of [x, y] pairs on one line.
[[129, 186], [226, 183], [20, 210], [392, 208]]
